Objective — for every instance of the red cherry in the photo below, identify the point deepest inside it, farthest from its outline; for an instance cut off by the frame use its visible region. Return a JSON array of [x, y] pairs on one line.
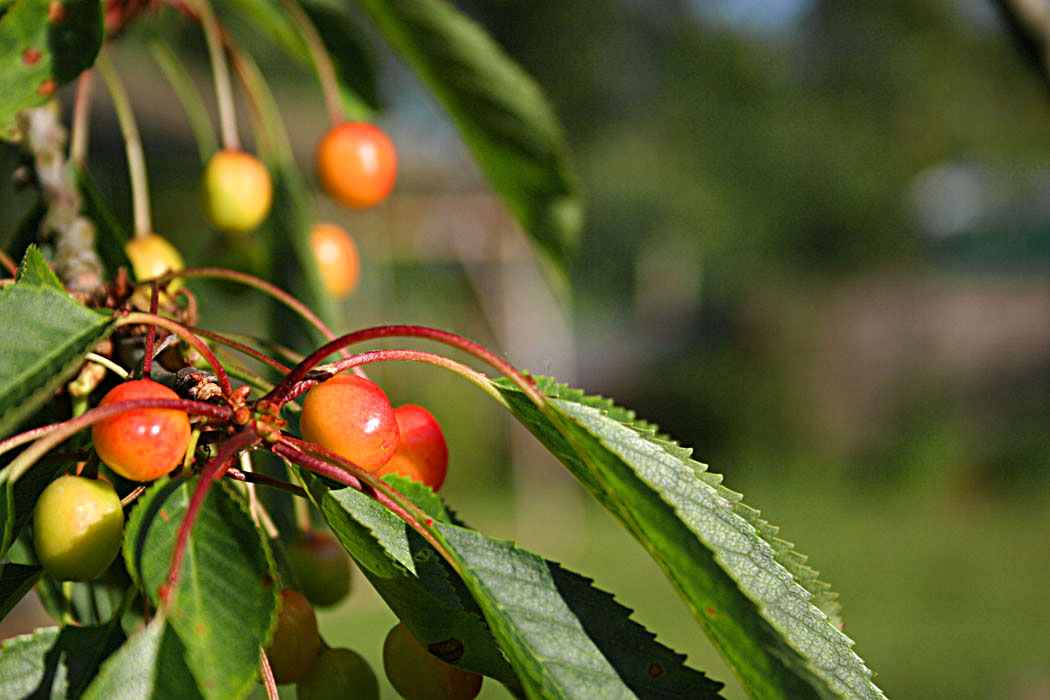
[[296, 642], [352, 417], [146, 444], [356, 163], [421, 452]]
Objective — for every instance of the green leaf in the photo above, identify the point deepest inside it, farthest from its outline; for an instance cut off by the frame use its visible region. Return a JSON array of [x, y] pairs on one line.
[[56, 662], [45, 337], [714, 550], [18, 500], [499, 110], [34, 271], [111, 235], [15, 581], [43, 45], [152, 664], [226, 602], [565, 638]]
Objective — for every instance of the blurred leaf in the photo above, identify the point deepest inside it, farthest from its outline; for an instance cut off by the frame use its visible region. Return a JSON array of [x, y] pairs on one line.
[[111, 236], [43, 45], [56, 662], [28, 230], [15, 581], [19, 498], [565, 638], [500, 111], [712, 548], [22, 666], [225, 605], [45, 337], [35, 271], [151, 664]]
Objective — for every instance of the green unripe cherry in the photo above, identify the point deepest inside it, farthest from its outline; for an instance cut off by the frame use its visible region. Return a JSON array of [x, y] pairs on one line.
[[78, 526], [339, 673], [322, 568]]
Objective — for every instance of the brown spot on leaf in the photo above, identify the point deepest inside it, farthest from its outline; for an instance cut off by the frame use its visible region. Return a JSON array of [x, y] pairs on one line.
[[429, 522], [163, 515], [267, 581], [57, 12], [655, 670], [710, 612], [31, 55], [449, 651], [201, 630], [47, 88]]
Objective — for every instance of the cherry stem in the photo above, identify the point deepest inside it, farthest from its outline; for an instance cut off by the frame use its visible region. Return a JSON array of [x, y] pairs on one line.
[[132, 144], [49, 436], [214, 469], [188, 95], [8, 264], [477, 378], [240, 347], [321, 59], [263, 480], [328, 463], [151, 334], [221, 74], [282, 390], [177, 328], [107, 363], [263, 286], [81, 129], [276, 348], [267, 676]]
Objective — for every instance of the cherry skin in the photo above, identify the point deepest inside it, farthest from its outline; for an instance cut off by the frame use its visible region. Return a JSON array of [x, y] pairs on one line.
[[322, 568], [416, 674], [145, 444], [352, 417], [152, 256], [339, 673], [337, 258], [237, 192], [78, 526], [357, 164], [296, 643], [421, 452]]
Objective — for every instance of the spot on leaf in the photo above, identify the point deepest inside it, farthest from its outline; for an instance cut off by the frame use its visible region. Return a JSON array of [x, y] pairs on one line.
[[655, 670], [449, 651]]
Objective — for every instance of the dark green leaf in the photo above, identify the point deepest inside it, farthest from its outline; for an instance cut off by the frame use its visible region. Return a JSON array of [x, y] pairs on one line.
[[15, 581], [500, 111], [226, 602], [43, 44], [111, 236], [738, 585], [34, 271], [45, 337], [28, 231], [17, 500]]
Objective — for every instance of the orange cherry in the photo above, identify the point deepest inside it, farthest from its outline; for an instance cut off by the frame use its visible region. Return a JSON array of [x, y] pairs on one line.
[[352, 417], [337, 258], [357, 164], [421, 452]]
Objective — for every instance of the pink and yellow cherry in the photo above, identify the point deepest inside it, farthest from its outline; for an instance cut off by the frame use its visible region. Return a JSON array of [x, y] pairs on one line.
[[236, 192], [337, 258], [78, 526], [296, 642], [142, 444], [152, 256], [357, 164], [322, 568], [421, 451], [352, 417], [339, 673], [416, 674]]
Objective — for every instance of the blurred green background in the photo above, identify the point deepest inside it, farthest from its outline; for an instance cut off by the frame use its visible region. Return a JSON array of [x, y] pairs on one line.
[[817, 249]]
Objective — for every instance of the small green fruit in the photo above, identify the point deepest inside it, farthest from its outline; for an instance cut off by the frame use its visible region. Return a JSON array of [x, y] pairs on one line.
[[322, 568], [416, 674], [339, 673], [296, 643], [78, 526], [237, 191]]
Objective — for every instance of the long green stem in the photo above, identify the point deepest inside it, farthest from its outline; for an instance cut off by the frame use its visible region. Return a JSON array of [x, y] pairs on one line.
[[223, 87], [321, 59], [81, 129], [132, 145], [189, 97]]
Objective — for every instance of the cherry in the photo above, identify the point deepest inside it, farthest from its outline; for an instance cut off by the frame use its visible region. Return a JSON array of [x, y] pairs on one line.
[[421, 452], [356, 163], [145, 444], [322, 568], [152, 256], [339, 673], [296, 643], [237, 191], [416, 674], [352, 417], [78, 526], [337, 258]]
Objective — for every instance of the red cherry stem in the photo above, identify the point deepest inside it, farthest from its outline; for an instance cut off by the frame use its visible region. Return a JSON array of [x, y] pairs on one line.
[[214, 469], [151, 334], [471, 375], [268, 680], [240, 347], [49, 436], [263, 480], [282, 390], [328, 463], [183, 332], [8, 264], [263, 286]]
